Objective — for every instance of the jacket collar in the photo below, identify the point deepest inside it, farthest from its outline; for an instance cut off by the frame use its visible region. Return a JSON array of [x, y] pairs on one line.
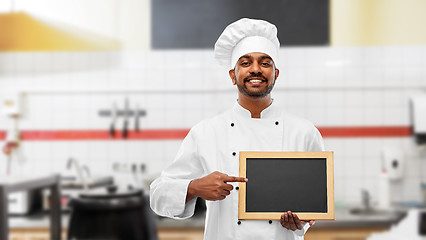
[[270, 112]]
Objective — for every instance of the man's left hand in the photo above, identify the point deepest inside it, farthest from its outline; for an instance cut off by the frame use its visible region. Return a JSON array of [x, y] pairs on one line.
[[292, 222]]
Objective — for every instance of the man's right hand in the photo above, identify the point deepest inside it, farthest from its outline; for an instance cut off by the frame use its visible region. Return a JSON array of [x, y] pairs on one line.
[[212, 187]]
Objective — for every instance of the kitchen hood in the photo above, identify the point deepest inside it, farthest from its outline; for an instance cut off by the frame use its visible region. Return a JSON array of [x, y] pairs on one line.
[[23, 32]]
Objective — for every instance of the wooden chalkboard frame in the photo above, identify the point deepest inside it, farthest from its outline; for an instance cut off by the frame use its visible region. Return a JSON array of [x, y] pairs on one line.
[[328, 215]]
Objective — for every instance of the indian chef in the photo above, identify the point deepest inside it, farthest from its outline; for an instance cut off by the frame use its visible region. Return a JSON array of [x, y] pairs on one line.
[[207, 163]]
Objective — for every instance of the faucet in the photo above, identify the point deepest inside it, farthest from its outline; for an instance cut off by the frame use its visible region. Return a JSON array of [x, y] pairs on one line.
[[87, 170], [72, 161], [366, 199]]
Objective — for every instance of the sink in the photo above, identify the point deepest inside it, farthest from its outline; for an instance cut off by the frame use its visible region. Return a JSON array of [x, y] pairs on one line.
[[367, 212], [94, 182]]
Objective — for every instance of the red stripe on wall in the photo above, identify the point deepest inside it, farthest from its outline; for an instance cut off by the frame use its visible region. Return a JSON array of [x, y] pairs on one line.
[[2, 135], [349, 132], [159, 134], [170, 134]]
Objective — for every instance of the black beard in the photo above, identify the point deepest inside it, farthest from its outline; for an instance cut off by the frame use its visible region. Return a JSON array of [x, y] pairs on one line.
[[243, 89]]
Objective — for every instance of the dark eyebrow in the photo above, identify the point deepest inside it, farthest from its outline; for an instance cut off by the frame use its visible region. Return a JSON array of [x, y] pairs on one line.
[[267, 57], [250, 57]]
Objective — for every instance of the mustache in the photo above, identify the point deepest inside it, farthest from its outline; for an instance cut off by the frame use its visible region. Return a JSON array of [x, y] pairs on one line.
[[255, 75]]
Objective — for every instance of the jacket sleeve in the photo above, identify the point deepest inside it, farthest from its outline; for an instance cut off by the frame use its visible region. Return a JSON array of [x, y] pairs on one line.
[[315, 143], [168, 192], [299, 234]]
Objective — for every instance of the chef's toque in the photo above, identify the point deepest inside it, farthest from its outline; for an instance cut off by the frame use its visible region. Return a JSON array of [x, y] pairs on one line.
[[246, 36]]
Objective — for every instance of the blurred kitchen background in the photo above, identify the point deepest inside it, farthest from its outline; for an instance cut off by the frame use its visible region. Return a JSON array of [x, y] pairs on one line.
[[116, 85]]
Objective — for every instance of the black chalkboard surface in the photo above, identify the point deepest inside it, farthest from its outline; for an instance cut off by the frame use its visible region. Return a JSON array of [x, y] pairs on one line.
[[301, 182]]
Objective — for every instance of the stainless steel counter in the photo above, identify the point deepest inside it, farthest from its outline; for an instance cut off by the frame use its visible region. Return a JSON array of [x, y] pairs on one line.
[[345, 219]]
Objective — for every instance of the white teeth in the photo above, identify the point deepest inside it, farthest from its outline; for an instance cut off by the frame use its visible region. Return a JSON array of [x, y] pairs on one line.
[[255, 80]]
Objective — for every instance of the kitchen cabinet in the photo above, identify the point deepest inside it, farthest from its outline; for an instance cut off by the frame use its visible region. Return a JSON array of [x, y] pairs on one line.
[[198, 233], [32, 234], [163, 234], [180, 234], [16, 236], [342, 233]]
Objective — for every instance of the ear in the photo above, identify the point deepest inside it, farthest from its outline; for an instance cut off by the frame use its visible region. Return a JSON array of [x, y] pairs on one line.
[[277, 73], [232, 76]]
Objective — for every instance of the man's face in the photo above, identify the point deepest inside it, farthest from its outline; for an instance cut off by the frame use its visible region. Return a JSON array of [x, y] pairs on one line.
[[254, 75]]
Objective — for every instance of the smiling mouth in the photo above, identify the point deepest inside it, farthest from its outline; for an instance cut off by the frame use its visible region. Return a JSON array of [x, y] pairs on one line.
[[255, 80]]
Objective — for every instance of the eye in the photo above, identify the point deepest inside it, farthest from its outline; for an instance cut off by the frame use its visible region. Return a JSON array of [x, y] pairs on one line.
[[244, 63], [266, 64]]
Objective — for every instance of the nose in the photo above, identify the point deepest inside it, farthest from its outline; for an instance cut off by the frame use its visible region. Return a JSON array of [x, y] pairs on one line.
[[255, 68]]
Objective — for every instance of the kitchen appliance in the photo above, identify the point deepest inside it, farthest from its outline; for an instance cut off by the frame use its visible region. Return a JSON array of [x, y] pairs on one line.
[[393, 163], [418, 118], [24, 202], [423, 189], [422, 224]]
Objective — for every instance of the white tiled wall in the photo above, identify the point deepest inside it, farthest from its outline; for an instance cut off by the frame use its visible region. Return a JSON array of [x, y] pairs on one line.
[[344, 86]]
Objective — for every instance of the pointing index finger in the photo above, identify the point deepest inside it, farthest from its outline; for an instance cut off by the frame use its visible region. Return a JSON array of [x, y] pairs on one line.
[[235, 179]]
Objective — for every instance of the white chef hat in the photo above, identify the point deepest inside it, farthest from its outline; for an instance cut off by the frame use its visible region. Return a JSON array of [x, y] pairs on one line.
[[246, 36]]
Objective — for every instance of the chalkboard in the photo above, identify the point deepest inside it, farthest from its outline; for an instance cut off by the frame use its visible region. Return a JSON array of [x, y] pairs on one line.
[[301, 182], [189, 24]]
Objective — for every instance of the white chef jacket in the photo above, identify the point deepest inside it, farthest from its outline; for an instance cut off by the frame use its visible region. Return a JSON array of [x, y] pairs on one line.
[[213, 145]]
